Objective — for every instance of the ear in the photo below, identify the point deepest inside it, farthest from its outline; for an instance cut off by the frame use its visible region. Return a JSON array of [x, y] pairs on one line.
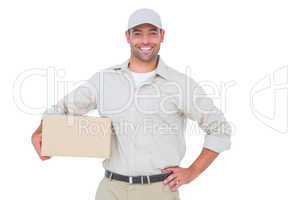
[[162, 35], [127, 35]]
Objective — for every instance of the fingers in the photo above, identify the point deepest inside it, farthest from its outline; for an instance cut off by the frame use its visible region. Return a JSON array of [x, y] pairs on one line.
[[165, 171], [172, 181], [175, 187], [37, 143], [169, 179], [172, 169], [45, 157]]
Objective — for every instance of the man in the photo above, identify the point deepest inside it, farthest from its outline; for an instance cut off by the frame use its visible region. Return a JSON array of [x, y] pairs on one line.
[[149, 103]]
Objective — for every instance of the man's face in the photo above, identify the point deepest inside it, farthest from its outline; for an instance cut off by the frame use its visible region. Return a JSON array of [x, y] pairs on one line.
[[145, 41]]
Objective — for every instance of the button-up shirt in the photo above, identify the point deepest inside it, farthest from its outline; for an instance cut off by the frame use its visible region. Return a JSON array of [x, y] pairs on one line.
[[148, 120]]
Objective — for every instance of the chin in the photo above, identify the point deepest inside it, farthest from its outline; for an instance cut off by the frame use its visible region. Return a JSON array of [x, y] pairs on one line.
[[147, 58]]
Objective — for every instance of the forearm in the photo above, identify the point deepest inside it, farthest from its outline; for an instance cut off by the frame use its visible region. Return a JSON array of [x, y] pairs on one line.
[[205, 158]]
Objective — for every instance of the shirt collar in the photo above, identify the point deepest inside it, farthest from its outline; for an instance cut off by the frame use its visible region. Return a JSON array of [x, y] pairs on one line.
[[161, 68]]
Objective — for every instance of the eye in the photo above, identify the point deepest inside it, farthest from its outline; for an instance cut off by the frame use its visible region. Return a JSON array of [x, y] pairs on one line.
[[153, 33], [136, 33]]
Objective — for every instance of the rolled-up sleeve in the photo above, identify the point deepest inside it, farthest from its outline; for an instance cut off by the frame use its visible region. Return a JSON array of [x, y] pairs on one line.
[[198, 106], [79, 101]]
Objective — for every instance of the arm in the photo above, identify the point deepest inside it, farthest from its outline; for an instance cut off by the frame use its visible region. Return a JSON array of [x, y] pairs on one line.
[[78, 102], [205, 158], [186, 175], [197, 106]]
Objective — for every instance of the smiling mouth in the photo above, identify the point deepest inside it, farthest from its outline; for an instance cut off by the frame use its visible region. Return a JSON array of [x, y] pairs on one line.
[[145, 50]]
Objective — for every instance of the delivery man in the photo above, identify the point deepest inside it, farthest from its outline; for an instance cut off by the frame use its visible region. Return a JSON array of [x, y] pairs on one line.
[[149, 103]]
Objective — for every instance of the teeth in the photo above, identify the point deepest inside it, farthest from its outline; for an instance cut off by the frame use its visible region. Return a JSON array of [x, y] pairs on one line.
[[145, 48]]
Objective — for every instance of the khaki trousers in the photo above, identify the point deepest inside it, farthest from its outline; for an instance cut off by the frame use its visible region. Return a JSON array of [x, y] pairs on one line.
[[119, 190]]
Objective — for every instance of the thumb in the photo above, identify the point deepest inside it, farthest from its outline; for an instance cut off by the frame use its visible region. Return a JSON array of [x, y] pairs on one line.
[[165, 170], [172, 169]]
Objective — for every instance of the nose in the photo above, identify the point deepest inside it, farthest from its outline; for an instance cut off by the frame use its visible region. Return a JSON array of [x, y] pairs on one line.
[[145, 39]]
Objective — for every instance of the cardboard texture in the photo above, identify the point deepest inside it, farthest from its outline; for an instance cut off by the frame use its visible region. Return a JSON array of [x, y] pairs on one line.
[[77, 136]]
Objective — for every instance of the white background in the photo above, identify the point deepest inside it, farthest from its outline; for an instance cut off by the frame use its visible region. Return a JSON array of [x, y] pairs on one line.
[[221, 41]]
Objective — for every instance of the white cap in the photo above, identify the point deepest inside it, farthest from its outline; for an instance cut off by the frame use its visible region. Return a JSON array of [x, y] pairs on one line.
[[144, 16]]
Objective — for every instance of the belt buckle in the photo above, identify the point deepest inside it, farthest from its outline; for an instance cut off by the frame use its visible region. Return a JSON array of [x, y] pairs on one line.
[[148, 179]]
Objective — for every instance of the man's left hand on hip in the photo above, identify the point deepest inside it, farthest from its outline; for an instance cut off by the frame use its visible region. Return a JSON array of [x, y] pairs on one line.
[[179, 176]]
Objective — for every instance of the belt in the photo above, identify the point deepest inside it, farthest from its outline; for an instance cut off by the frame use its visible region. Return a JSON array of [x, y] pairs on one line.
[[136, 179]]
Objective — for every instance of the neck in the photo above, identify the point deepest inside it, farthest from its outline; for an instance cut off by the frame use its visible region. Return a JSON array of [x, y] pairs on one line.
[[137, 65]]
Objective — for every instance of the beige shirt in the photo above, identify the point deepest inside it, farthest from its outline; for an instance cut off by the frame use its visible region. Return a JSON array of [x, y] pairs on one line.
[[149, 121]]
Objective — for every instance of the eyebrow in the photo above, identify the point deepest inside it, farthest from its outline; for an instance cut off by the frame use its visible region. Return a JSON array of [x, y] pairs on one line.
[[136, 30], [139, 30], [154, 29]]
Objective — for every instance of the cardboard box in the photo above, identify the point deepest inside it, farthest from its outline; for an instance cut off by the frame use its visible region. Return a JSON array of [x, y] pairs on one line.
[[78, 136]]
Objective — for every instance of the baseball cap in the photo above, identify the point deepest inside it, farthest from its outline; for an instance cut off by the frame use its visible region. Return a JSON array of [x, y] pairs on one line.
[[144, 16]]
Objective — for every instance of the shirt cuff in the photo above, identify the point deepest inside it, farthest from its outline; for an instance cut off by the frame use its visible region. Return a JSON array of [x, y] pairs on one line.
[[52, 111], [217, 143]]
